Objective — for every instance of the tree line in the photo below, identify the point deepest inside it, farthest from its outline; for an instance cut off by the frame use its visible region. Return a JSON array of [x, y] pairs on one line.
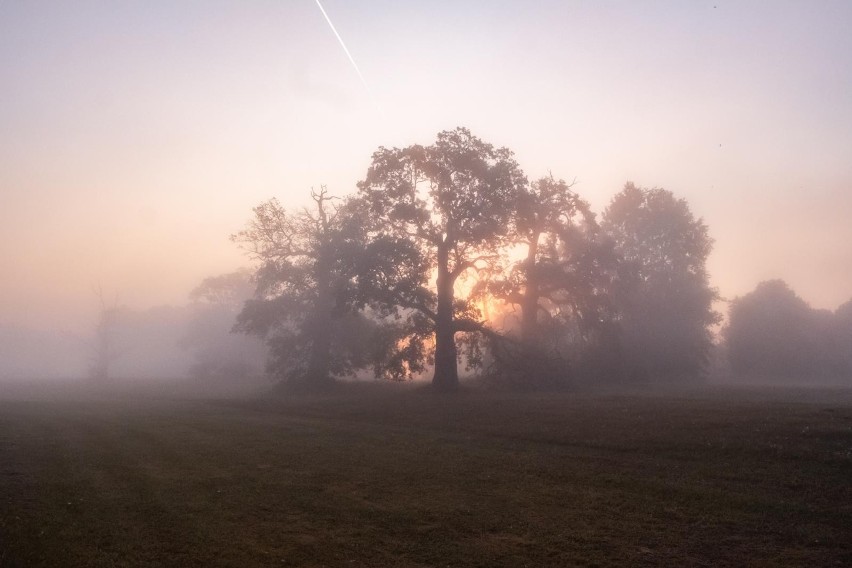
[[168, 342], [774, 335], [447, 255]]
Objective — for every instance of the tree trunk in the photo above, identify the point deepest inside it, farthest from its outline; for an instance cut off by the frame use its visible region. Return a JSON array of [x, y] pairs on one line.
[[446, 375], [318, 375], [529, 305]]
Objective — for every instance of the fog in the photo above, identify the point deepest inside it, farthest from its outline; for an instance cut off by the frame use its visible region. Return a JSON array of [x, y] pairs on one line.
[[442, 283], [136, 139], [193, 341]]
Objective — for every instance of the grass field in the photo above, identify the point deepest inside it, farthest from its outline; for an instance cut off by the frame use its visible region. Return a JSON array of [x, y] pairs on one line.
[[403, 477]]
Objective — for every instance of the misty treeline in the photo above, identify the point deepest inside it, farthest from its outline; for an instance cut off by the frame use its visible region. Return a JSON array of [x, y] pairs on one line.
[[165, 342], [193, 340], [448, 256], [773, 335]]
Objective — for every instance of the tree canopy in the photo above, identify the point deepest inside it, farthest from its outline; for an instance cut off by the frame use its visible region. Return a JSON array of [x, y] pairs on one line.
[[453, 200], [396, 277], [773, 334], [663, 297], [556, 282], [305, 292]]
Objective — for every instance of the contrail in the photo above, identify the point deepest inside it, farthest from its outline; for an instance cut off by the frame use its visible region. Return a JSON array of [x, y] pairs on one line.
[[349, 55]]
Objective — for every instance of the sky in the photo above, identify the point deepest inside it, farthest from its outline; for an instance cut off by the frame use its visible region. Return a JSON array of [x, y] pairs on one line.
[[136, 136]]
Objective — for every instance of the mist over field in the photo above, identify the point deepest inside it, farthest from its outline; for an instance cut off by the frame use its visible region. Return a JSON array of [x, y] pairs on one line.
[[377, 283], [137, 139]]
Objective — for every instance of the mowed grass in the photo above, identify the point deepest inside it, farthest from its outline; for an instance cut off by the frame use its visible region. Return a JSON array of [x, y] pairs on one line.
[[404, 477]]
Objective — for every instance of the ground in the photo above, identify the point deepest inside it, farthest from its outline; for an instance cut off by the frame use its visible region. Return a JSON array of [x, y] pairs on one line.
[[404, 477]]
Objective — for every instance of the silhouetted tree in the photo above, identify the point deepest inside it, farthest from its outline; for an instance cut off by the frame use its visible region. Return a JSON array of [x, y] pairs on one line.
[[554, 225], [559, 286], [663, 296], [305, 298], [454, 201], [393, 291]]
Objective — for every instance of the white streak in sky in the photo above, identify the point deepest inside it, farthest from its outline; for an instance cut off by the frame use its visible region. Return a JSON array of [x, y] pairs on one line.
[[349, 55]]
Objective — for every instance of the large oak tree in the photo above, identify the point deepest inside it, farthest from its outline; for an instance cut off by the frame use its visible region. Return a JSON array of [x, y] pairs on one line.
[[454, 201]]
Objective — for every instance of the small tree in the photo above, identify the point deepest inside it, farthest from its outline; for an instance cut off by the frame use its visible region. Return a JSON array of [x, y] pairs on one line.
[[453, 201], [305, 296]]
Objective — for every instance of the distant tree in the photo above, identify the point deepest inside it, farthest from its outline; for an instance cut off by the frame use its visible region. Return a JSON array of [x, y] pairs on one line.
[[218, 352], [228, 290], [663, 296], [305, 298], [766, 331], [773, 334], [104, 352], [842, 344], [453, 200]]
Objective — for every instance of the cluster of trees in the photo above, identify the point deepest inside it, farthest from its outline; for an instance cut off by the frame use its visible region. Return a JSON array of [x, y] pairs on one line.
[[448, 255], [774, 335]]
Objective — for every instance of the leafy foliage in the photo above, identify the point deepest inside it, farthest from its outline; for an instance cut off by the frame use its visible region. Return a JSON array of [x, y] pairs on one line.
[[306, 292], [395, 278], [453, 201], [559, 286], [663, 296]]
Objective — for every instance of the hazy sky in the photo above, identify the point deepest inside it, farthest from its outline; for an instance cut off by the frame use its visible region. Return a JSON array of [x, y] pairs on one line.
[[135, 136]]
